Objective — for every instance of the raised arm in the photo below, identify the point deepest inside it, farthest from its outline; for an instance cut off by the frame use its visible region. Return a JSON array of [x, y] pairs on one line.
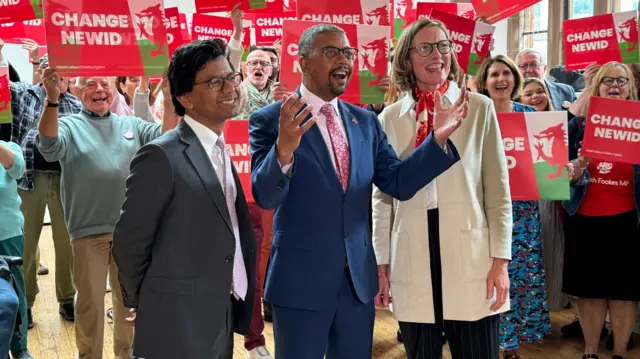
[[52, 139], [11, 159], [273, 148], [149, 190]]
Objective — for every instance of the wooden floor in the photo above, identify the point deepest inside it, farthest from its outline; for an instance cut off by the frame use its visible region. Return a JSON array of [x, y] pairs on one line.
[[53, 337]]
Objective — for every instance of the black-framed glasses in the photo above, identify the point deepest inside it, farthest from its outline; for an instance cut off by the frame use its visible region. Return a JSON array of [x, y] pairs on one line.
[[330, 52], [264, 64], [620, 81], [217, 83], [425, 49]]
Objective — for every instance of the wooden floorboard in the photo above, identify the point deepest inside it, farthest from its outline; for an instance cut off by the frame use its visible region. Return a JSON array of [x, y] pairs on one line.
[[54, 338]]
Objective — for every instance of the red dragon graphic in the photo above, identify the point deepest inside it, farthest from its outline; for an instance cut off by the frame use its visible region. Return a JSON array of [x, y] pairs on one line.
[[382, 15], [631, 28], [468, 14], [156, 36], [407, 5], [4, 90], [481, 45], [291, 5], [379, 47], [558, 148]]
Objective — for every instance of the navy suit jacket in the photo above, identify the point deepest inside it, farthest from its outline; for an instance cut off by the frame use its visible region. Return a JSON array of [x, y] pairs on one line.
[[318, 227], [559, 93]]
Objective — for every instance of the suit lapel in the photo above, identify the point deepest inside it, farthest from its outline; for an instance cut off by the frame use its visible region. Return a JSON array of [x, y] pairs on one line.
[[201, 162], [354, 138]]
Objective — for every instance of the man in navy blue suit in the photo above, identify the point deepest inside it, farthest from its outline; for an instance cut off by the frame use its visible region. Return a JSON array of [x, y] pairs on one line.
[[314, 160]]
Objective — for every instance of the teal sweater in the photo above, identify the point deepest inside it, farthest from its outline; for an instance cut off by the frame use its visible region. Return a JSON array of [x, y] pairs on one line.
[[11, 219], [95, 153]]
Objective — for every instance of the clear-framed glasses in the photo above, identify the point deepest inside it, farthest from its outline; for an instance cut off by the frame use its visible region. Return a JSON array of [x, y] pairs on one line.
[[425, 49], [330, 52], [264, 64], [620, 81], [532, 66], [216, 83]]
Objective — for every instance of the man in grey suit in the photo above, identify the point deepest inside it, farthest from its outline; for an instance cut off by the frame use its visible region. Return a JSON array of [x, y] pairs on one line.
[[531, 64], [184, 244]]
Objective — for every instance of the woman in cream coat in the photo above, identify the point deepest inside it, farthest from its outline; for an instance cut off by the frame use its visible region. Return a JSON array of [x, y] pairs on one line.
[[443, 254]]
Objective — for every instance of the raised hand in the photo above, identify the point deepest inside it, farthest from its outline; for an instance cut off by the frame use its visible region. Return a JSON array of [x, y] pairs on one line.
[[51, 83], [385, 83], [278, 91], [446, 121], [236, 16], [290, 130], [32, 47]]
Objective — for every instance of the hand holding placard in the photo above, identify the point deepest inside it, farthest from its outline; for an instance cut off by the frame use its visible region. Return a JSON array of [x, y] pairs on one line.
[[51, 82]]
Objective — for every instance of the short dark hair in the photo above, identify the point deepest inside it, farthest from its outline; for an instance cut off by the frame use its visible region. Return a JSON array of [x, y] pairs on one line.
[[309, 35], [186, 61]]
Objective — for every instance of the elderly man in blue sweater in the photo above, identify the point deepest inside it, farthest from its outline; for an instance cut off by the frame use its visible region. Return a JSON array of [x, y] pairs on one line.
[[94, 148]]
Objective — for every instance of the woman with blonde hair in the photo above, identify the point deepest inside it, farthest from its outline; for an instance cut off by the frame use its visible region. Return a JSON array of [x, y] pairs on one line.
[[528, 320], [450, 273], [605, 197]]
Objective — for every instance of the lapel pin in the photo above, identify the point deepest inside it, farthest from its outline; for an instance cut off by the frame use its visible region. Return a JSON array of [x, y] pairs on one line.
[[354, 121]]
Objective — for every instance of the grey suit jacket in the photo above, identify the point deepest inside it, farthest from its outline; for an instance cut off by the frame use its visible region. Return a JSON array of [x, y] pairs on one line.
[[174, 247], [560, 93]]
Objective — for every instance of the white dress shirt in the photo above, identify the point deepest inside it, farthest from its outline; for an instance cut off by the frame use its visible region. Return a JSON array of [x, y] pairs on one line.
[[208, 138], [321, 122]]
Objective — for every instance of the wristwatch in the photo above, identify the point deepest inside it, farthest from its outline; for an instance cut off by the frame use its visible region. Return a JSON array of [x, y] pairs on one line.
[[51, 104]]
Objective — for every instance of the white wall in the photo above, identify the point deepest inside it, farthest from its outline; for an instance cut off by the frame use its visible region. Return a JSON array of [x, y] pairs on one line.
[[500, 36], [19, 59]]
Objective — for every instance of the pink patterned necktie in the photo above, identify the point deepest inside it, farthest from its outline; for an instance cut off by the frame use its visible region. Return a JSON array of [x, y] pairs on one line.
[[339, 144], [239, 272]]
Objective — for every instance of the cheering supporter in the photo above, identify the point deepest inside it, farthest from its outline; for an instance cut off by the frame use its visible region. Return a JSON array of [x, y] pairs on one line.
[[12, 168], [257, 85], [39, 188], [535, 94], [100, 145], [528, 319], [427, 299], [602, 198], [531, 64], [134, 99]]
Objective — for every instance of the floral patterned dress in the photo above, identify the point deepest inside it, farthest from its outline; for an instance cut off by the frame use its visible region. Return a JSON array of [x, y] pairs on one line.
[[528, 320]]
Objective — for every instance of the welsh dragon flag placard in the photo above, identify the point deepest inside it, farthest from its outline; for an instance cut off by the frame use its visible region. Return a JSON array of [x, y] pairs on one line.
[[536, 146], [87, 38], [368, 69], [206, 6], [5, 95], [471, 39], [20, 10], [369, 12], [404, 13]]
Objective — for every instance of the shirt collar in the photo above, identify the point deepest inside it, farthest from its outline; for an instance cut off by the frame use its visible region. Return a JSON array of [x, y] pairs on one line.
[[316, 101], [207, 137], [94, 114], [451, 96]]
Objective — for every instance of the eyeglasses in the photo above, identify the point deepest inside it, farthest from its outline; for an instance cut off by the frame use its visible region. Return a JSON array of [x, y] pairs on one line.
[[217, 83], [533, 66], [426, 48], [330, 52], [620, 81], [261, 63]]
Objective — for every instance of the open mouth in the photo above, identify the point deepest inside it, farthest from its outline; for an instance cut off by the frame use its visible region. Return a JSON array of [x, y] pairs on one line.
[[536, 103], [502, 88], [613, 93], [435, 67], [258, 75], [228, 101], [340, 75], [99, 100]]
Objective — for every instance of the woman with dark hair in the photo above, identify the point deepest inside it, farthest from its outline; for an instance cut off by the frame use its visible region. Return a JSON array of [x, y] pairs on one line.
[[451, 274], [528, 320]]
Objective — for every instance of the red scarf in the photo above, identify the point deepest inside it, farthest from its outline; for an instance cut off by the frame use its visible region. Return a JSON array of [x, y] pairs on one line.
[[426, 104]]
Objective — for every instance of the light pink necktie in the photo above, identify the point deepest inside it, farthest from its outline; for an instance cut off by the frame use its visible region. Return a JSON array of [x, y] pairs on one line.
[[239, 271], [339, 143]]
